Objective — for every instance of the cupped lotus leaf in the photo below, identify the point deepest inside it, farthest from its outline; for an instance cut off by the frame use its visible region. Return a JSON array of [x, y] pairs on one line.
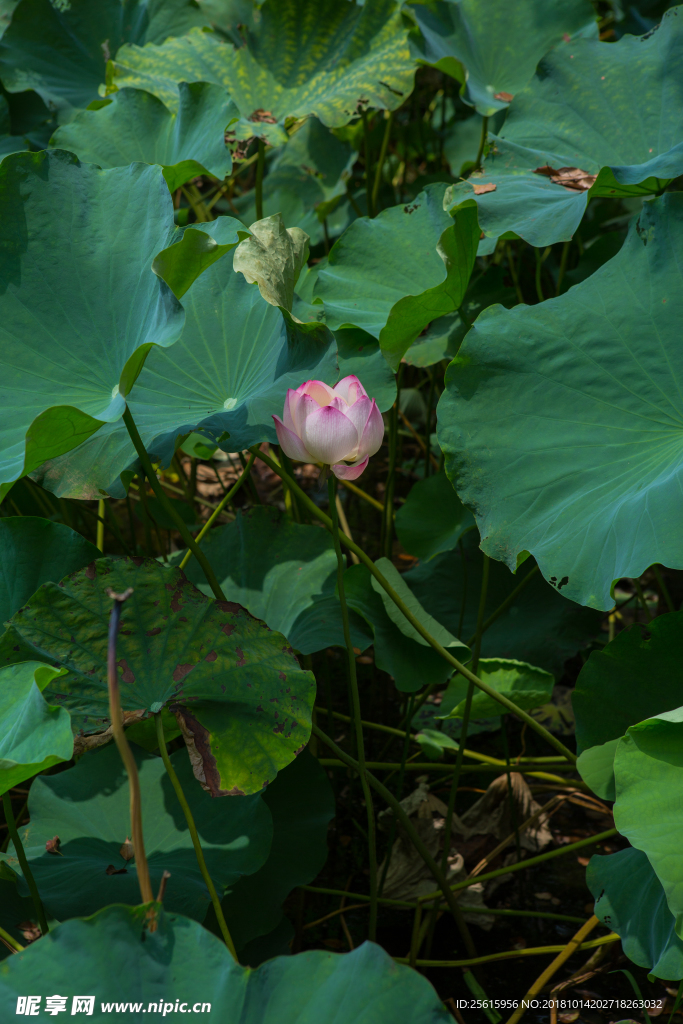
[[561, 422], [540, 626], [610, 696], [134, 125], [528, 686], [630, 901], [229, 373], [433, 518], [301, 801], [492, 47], [394, 274], [237, 690], [272, 257], [61, 49], [283, 573], [88, 808], [34, 735], [120, 959], [34, 551], [330, 59], [648, 769], [410, 664], [558, 146], [80, 308]]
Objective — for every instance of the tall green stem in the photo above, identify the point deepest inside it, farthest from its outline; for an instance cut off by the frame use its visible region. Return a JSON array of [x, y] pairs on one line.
[[229, 495], [482, 142], [124, 750], [258, 188], [199, 853], [368, 163], [388, 518], [21, 856], [399, 790], [412, 834], [355, 710], [415, 623], [168, 507], [380, 161]]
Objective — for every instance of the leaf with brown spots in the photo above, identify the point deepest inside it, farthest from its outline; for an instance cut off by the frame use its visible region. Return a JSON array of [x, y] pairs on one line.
[[175, 647]]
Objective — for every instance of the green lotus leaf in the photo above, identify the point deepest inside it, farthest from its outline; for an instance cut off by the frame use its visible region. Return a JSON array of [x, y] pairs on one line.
[[273, 257], [306, 175], [609, 695], [540, 627], [596, 767], [359, 353], [120, 959], [629, 900], [526, 685], [88, 807], [283, 573], [79, 306], [34, 551], [294, 62], [301, 802], [433, 518], [228, 16], [561, 421], [492, 47], [648, 769], [133, 125], [228, 374], [434, 743], [34, 735], [564, 121], [394, 578], [394, 274], [409, 663], [234, 685], [61, 49]]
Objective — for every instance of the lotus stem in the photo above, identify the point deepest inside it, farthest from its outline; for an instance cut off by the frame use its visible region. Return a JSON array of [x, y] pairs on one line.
[[23, 862], [229, 495]]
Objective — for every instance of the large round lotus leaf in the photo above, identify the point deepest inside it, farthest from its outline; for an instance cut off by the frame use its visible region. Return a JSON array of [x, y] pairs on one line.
[[565, 121], [33, 734], [630, 901], [134, 125], [328, 59], [394, 274], [610, 696], [492, 46], [433, 518], [233, 683], [648, 768], [561, 422], [229, 373], [34, 551], [120, 960], [301, 802], [79, 306], [283, 573], [88, 807], [540, 627], [528, 686], [61, 49]]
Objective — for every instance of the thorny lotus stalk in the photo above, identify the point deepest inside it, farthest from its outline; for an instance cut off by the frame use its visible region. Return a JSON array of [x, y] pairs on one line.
[[126, 753]]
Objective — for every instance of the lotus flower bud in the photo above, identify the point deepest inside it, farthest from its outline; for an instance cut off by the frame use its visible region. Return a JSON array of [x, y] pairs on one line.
[[340, 426]]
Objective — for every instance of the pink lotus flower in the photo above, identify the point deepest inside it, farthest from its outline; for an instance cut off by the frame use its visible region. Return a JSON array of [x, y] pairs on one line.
[[340, 426]]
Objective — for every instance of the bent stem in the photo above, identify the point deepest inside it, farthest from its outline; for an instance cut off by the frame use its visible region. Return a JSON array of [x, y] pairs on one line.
[[168, 507], [229, 495], [386, 586], [175, 782], [21, 856], [413, 836], [355, 709], [116, 716]]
